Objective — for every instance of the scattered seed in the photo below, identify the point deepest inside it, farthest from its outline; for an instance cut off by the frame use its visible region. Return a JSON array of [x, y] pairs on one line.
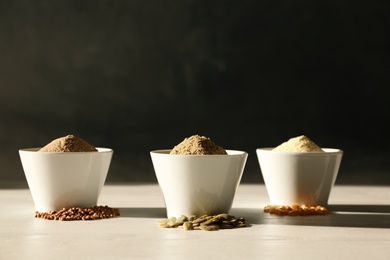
[[187, 225], [75, 213], [205, 222], [180, 221], [225, 226], [296, 210], [209, 227], [191, 218]]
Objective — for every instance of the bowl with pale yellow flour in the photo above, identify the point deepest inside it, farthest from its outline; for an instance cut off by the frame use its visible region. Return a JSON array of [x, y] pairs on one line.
[[299, 172], [68, 172], [198, 177]]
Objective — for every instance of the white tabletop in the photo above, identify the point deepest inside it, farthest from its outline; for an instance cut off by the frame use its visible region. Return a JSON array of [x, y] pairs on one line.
[[358, 228]]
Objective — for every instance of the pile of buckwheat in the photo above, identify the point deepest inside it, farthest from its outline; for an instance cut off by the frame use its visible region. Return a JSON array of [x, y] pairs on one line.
[[296, 210], [75, 213]]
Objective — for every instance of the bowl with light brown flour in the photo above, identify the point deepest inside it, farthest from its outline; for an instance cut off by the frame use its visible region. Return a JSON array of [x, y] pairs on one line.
[[198, 177], [299, 172], [67, 172]]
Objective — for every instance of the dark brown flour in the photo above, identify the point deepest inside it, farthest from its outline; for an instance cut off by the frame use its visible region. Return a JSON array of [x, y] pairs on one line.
[[197, 145], [69, 143]]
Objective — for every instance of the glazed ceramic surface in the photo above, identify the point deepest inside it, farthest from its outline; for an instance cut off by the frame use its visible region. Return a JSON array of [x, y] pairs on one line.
[[198, 184], [65, 179], [303, 178]]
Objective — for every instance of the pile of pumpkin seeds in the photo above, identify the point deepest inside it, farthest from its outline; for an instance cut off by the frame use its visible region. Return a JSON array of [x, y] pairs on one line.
[[205, 222]]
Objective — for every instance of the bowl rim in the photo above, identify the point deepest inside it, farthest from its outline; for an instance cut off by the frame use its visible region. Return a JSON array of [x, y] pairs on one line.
[[165, 152], [35, 149], [325, 151]]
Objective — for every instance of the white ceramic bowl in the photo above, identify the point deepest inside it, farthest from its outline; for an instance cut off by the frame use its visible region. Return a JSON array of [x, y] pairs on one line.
[[65, 179], [303, 178], [198, 184]]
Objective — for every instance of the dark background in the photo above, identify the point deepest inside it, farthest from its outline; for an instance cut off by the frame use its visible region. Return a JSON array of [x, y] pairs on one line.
[[142, 75]]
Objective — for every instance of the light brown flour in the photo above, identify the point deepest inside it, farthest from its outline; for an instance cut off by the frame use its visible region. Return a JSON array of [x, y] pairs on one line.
[[298, 144], [197, 145], [69, 143]]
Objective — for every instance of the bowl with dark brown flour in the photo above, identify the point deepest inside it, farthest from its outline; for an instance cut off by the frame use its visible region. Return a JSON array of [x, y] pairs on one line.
[[198, 177], [299, 172], [67, 172]]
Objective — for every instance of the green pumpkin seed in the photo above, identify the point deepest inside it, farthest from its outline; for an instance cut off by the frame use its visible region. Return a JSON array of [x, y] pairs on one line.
[[204, 222]]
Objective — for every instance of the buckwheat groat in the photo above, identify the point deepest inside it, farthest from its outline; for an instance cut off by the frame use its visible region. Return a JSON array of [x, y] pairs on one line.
[[69, 143], [298, 144], [76, 213], [197, 145]]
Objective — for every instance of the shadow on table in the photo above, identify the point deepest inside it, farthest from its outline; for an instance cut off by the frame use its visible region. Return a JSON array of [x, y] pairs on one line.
[[143, 212], [362, 216]]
